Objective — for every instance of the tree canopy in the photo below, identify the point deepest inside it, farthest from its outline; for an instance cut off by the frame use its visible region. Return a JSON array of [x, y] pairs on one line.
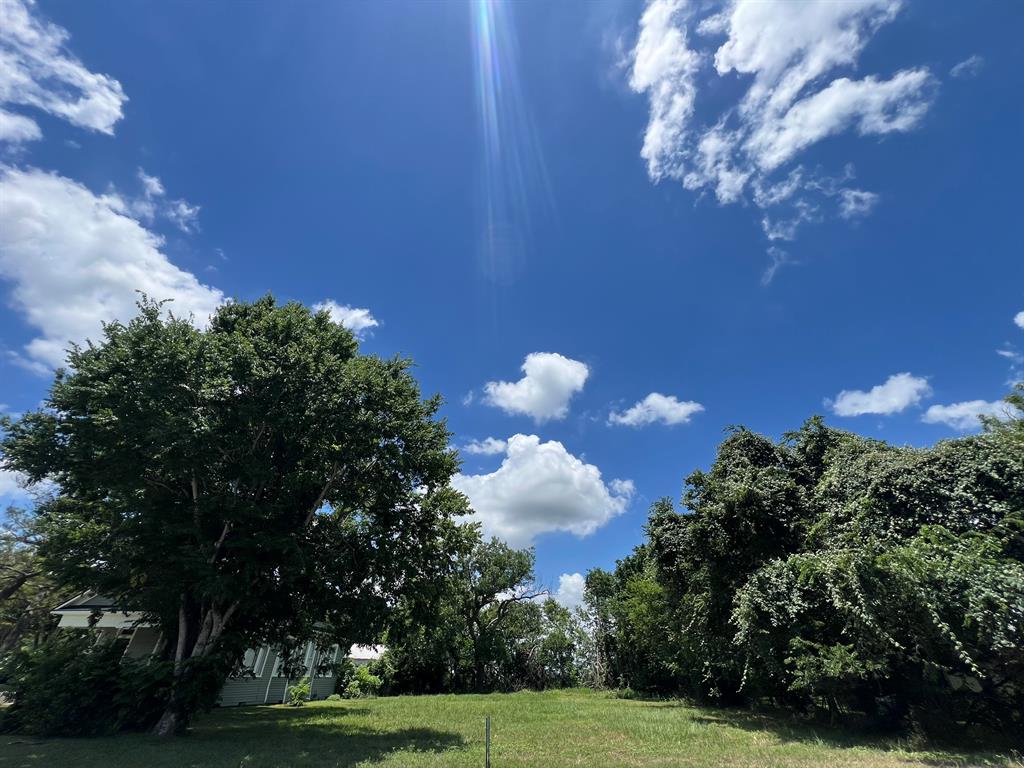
[[258, 480], [830, 570]]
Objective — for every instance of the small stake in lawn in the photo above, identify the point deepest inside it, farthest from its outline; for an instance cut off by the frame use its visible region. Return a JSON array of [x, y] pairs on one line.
[[487, 743]]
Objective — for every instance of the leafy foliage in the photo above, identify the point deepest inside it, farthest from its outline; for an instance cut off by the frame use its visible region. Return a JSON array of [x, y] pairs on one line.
[[837, 572], [71, 685], [298, 693], [485, 629], [363, 684]]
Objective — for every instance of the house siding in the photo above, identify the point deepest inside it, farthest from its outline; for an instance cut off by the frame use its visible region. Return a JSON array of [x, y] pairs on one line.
[[143, 640], [269, 687]]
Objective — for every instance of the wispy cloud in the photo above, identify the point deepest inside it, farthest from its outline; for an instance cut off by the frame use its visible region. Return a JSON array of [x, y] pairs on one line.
[[796, 61], [37, 71], [153, 203], [969, 67]]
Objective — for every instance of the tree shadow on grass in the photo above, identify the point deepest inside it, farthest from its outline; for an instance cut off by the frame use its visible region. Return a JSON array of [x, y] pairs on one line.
[[258, 737], [788, 728], [264, 716]]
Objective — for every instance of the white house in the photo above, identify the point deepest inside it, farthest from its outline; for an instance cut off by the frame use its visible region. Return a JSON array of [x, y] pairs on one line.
[[263, 681]]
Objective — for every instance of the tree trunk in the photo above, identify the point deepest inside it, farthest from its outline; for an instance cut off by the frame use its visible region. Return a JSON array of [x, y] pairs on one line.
[[169, 724], [198, 636]]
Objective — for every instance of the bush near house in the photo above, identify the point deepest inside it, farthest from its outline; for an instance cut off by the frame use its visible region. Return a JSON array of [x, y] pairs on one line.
[[73, 686]]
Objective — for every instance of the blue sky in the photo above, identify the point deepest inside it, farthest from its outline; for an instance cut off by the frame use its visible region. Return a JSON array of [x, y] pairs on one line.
[[605, 186]]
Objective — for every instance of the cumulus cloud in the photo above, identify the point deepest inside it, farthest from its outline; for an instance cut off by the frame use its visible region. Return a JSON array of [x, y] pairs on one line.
[[794, 62], [489, 446], [967, 68], [549, 382], [1019, 320], [570, 589], [966, 415], [898, 393], [539, 488], [356, 319], [656, 407], [75, 259], [37, 71]]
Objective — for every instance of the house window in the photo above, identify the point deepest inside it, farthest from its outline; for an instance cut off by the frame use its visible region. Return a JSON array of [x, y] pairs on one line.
[[260, 666], [255, 661]]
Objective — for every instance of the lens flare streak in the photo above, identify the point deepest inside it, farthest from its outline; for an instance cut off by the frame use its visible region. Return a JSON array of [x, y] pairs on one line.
[[514, 176]]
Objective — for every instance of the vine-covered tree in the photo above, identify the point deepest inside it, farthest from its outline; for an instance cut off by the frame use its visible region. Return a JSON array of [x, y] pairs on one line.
[[255, 481], [837, 572]]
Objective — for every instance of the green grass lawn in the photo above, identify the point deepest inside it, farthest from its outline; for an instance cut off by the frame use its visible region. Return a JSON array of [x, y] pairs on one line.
[[548, 730]]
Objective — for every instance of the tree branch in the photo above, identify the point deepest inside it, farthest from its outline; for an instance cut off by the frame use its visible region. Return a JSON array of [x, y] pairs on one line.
[[504, 604], [320, 498]]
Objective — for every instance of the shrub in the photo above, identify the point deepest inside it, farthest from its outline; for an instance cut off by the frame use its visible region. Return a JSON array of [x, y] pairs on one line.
[[334, 697], [344, 672], [299, 693], [70, 685], [363, 684]]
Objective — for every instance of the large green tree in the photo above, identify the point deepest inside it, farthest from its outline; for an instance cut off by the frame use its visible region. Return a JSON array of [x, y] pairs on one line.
[[258, 480]]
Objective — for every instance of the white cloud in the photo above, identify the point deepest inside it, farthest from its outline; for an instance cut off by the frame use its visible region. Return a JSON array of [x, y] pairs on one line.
[[1019, 320], [870, 105], [966, 415], [12, 485], [786, 55], [664, 66], [36, 70], [1011, 354], [75, 259], [151, 185], [654, 408], [969, 67], [778, 259], [549, 382], [856, 202], [539, 488], [489, 446], [356, 319], [154, 203], [18, 128], [182, 214], [898, 393], [785, 229], [570, 589]]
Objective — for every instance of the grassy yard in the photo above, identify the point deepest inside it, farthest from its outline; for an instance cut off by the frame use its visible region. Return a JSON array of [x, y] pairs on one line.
[[549, 730]]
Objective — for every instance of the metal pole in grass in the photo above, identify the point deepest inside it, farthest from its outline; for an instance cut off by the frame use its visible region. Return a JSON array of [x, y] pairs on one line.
[[487, 743]]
